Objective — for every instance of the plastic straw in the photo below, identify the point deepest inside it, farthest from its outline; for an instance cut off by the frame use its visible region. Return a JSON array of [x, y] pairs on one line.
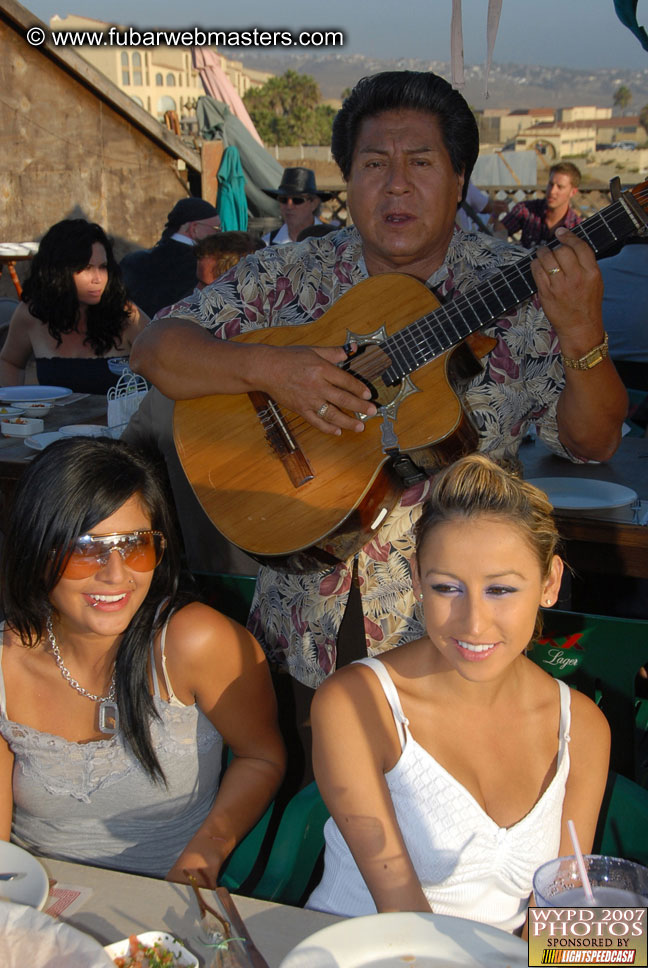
[[580, 862]]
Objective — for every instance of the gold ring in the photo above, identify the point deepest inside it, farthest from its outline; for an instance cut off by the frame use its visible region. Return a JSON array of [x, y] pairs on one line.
[[322, 410], [552, 272]]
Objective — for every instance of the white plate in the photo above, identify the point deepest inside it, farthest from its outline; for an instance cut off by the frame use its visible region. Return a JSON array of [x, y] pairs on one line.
[[40, 441], [582, 494], [400, 940], [31, 889], [6, 412], [182, 955], [32, 394], [31, 938], [84, 430]]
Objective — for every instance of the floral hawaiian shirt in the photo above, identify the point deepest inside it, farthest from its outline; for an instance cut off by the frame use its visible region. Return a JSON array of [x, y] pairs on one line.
[[296, 617], [530, 218]]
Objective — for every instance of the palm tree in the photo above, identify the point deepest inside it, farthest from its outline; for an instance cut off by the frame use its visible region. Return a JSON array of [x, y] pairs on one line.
[[622, 97]]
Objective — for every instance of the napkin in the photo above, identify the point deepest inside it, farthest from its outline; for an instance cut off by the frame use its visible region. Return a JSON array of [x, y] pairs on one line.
[[30, 938]]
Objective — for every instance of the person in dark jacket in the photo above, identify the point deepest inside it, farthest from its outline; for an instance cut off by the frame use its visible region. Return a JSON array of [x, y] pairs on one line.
[[160, 276]]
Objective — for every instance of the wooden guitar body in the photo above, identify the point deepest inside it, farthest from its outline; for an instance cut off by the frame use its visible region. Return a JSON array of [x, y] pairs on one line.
[[243, 484]]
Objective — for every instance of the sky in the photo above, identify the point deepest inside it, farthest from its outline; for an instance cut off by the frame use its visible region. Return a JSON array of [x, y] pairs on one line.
[[584, 34]]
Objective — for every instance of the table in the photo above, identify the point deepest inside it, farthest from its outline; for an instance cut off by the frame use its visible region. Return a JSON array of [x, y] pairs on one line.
[[10, 253], [616, 548], [123, 904], [15, 456]]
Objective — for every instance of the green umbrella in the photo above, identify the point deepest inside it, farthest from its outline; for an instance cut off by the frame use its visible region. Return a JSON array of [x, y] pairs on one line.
[[231, 203]]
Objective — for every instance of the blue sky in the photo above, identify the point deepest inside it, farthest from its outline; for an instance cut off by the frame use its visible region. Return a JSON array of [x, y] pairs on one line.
[[584, 34]]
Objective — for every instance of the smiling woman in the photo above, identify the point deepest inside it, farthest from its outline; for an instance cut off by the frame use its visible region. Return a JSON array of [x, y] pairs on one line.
[[117, 691], [451, 764]]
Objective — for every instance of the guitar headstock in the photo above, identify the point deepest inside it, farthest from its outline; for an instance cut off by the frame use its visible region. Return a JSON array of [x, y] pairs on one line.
[[637, 199]]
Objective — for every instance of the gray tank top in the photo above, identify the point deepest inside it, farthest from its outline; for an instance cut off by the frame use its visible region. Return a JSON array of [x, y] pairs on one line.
[[93, 803]]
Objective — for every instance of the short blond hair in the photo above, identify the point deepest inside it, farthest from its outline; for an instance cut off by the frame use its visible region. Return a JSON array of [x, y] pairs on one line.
[[477, 485]]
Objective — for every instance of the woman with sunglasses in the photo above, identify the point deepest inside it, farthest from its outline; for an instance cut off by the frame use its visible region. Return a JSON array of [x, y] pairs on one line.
[[117, 692]]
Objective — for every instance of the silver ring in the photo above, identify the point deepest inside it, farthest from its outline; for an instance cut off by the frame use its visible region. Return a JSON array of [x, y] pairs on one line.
[[322, 410], [552, 272]]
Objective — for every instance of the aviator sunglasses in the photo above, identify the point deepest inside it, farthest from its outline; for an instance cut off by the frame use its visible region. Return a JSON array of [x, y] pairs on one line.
[[140, 550], [283, 200]]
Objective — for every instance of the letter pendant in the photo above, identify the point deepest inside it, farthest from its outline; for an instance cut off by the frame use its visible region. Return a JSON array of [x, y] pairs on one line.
[[108, 717]]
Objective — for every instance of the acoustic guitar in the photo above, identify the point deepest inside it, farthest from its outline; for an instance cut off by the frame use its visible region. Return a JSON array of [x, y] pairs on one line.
[[287, 493]]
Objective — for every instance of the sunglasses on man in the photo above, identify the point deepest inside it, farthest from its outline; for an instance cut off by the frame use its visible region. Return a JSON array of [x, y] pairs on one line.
[[294, 200]]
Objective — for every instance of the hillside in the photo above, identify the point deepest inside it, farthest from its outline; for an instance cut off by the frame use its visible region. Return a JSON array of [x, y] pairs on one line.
[[510, 85]]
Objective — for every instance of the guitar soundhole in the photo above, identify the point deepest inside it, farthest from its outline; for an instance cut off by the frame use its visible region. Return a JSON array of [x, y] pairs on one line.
[[368, 364]]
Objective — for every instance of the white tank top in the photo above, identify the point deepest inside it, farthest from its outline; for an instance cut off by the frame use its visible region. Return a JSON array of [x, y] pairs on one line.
[[467, 865]]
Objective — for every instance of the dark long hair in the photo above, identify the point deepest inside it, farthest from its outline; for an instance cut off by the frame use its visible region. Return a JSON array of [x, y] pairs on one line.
[[51, 295], [408, 90], [71, 486]]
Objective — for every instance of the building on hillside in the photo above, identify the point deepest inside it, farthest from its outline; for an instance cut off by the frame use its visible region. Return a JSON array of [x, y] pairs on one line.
[[501, 125], [583, 113], [159, 79], [558, 139]]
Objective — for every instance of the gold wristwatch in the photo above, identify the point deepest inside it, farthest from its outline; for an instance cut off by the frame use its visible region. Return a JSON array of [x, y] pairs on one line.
[[595, 356]]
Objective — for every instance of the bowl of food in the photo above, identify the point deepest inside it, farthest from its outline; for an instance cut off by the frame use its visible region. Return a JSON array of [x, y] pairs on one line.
[[32, 408], [21, 426], [152, 947]]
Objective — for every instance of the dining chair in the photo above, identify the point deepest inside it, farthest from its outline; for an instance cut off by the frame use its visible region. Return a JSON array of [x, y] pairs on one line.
[[230, 594], [623, 821], [296, 849], [601, 657]]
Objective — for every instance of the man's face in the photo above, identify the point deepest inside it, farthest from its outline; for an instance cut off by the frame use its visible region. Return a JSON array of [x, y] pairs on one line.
[[403, 192], [201, 228], [207, 270], [298, 213], [559, 191]]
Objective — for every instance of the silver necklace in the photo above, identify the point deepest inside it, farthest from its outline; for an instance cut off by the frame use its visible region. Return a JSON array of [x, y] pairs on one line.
[[108, 709]]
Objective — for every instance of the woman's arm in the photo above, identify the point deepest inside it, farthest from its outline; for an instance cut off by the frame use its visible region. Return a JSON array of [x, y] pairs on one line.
[[17, 348], [353, 743], [589, 762], [223, 668], [6, 789]]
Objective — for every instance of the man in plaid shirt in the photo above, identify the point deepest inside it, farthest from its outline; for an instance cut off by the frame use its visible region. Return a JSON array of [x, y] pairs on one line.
[[540, 217]]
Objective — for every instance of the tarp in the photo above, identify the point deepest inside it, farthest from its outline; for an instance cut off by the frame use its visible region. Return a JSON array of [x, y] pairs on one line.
[[218, 85], [261, 170], [231, 203], [507, 168]]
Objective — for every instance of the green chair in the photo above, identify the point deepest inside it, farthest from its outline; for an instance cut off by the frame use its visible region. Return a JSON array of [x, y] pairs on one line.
[[623, 821], [296, 848], [601, 657], [230, 594], [241, 863]]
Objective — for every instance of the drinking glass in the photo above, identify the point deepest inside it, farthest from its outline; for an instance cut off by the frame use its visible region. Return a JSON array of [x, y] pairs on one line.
[[615, 882]]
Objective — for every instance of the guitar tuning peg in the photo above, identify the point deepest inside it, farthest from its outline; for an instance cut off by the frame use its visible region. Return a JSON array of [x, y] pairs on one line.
[[615, 188]]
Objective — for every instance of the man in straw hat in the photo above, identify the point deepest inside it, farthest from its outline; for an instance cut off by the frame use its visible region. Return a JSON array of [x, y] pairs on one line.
[[299, 203], [406, 143]]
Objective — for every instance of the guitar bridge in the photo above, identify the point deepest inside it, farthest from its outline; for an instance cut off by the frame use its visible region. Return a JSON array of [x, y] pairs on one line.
[[280, 439]]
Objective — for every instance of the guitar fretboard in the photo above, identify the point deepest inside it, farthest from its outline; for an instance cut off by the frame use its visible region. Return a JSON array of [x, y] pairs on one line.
[[434, 334]]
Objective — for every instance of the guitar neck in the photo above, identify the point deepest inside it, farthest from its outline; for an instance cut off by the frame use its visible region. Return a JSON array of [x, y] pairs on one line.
[[434, 334]]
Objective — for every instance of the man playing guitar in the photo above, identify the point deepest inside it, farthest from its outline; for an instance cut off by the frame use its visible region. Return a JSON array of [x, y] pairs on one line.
[[406, 143]]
